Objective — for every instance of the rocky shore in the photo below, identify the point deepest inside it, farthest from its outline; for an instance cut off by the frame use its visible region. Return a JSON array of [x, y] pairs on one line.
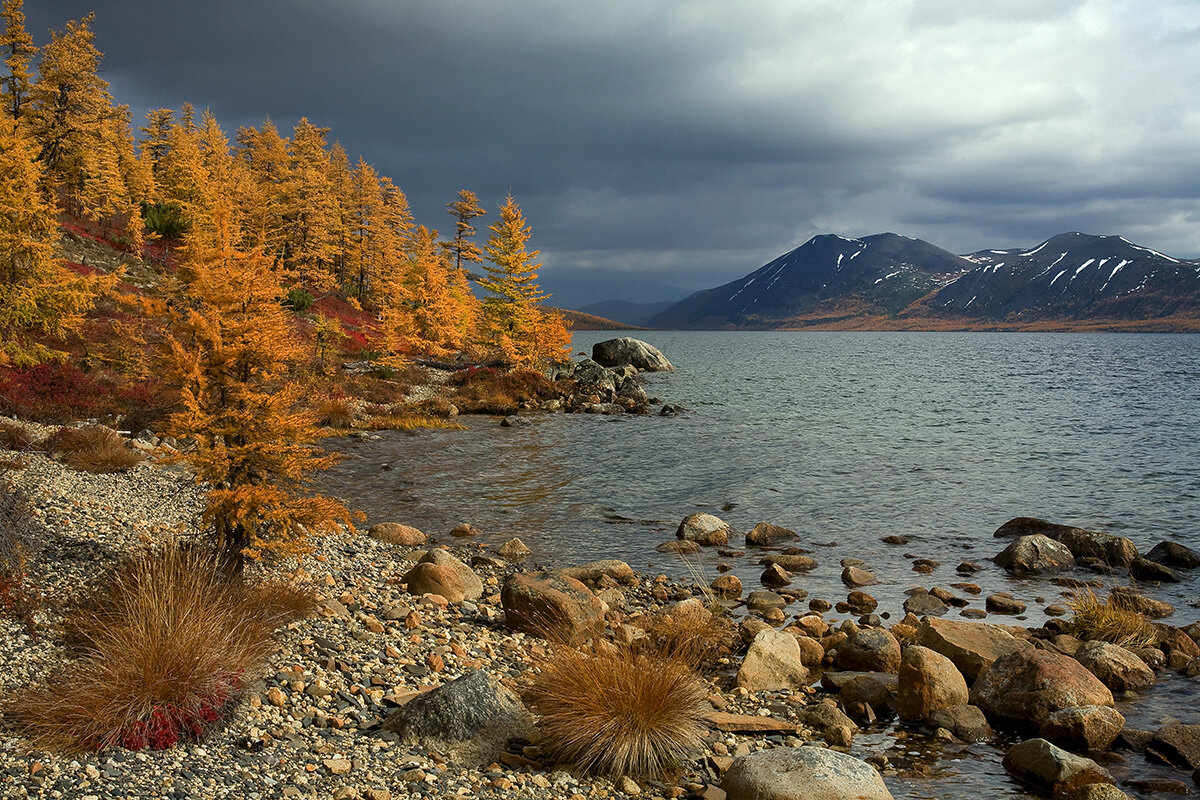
[[438, 624]]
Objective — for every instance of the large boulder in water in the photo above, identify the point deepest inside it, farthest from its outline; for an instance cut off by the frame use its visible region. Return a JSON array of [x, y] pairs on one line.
[[1116, 667], [1173, 554], [705, 529], [469, 720], [1026, 687], [928, 682], [1035, 554], [634, 352], [972, 646], [1052, 769], [802, 773], [1114, 550]]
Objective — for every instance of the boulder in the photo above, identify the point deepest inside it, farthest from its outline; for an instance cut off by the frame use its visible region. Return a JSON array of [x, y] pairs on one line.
[[1098, 791], [464, 530], [634, 352], [924, 605], [802, 773], [1110, 549], [968, 723], [828, 720], [866, 688], [772, 663], [760, 600], [1083, 727], [395, 533], [857, 576], [1128, 598], [426, 578], [928, 682], [468, 720], [1035, 554], [764, 534], [1176, 744], [775, 575], [1051, 769], [790, 562], [1143, 569], [1003, 603], [861, 602], [592, 572], [1024, 687], [869, 650], [1173, 554], [1116, 667], [552, 606], [970, 645], [704, 529], [631, 389], [726, 586], [472, 585]]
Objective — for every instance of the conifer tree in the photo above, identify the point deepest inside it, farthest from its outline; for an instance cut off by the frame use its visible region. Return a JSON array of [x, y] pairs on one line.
[[310, 209], [230, 353], [37, 294], [519, 327], [17, 46], [155, 143], [462, 250]]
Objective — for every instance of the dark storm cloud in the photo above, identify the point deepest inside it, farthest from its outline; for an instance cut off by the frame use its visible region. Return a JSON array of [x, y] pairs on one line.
[[693, 141]]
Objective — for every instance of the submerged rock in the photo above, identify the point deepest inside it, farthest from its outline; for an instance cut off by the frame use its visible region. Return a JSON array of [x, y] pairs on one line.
[[765, 534], [1052, 769]]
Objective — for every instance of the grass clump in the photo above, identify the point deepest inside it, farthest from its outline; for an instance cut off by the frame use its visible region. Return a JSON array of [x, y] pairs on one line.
[[491, 391], [93, 448], [699, 639], [18, 599], [336, 413], [618, 713], [1106, 621], [15, 437], [163, 645]]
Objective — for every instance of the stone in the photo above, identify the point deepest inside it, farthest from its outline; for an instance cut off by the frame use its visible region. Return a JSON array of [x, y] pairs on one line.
[[967, 722], [1034, 555], [593, 572], [1004, 603], [1176, 744], [772, 663], [705, 529], [1116, 667], [1130, 599], [1040, 764], [552, 606], [970, 645], [869, 650], [726, 586], [759, 600], [861, 602], [470, 581], [633, 352], [764, 534], [627, 785], [792, 562], [464, 530], [513, 550], [857, 576], [835, 728], [1083, 727], [866, 688], [515, 421], [811, 652], [468, 720], [749, 723], [680, 546], [1143, 569], [925, 605], [1024, 687], [440, 579], [775, 575], [1110, 549], [928, 682], [802, 773], [1098, 791], [395, 533], [1173, 554]]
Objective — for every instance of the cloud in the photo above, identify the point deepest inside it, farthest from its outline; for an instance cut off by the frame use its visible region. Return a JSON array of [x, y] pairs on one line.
[[698, 139]]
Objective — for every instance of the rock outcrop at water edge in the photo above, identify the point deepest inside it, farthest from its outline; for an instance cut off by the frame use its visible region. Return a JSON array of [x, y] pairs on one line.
[[627, 351]]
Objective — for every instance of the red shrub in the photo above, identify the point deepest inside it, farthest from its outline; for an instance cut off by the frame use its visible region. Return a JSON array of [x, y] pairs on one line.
[[52, 392]]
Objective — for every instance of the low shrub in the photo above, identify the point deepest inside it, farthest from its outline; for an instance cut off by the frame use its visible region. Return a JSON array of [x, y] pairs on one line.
[[1105, 621], [336, 414], [491, 391], [163, 645], [53, 392], [299, 299], [93, 448], [18, 599], [617, 713]]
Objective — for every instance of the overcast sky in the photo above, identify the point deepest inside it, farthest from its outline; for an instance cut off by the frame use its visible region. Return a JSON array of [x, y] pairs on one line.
[[691, 142]]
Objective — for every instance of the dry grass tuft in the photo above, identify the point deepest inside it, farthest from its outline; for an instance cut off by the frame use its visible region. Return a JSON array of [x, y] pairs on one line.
[[407, 422], [164, 643], [15, 437], [490, 391], [694, 640], [336, 414], [618, 713], [93, 449], [1103, 620], [18, 598]]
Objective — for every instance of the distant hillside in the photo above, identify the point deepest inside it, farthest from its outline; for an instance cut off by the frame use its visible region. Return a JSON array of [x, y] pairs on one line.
[[885, 281], [627, 311], [579, 321]]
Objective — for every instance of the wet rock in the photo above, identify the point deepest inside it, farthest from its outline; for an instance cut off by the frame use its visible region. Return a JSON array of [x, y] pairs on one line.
[[1004, 603], [790, 562], [680, 546], [426, 578], [1130, 599], [634, 352], [759, 600], [1176, 744], [1083, 727], [1025, 687], [1173, 554], [1115, 550], [1154, 786], [1143, 569], [472, 585], [857, 576], [395, 533], [1035, 554], [551, 606], [819, 605], [726, 586], [802, 773], [764, 534], [1040, 764], [775, 575], [928, 682], [515, 421], [1117, 668], [895, 539], [772, 663], [861, 602], [968, 568], [593, 572], [469, 720], [705, 529], [970, 645], [925, 604], [835, 728], [514, 550], [464, 530], [869, 650], [867, 689], [1098, 791], [966, 722]]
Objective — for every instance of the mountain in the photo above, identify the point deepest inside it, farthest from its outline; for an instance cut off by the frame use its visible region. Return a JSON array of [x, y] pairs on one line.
[[885, 271], [1072, 280], [626, 311]]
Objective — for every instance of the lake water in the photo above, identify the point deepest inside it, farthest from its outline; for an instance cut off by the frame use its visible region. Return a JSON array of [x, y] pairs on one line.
[[845, 438]]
